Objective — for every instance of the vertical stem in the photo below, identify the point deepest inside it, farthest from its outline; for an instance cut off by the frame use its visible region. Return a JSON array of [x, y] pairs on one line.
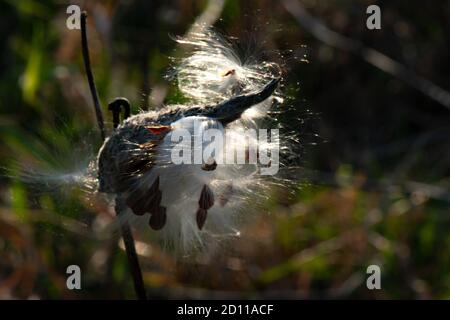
[[120, 205], [130, 249], [90, 76]]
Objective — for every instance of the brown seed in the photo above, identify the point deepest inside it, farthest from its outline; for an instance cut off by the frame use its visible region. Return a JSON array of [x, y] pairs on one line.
[[141, 201], [134, 201], [154, 201], [209, 165], [201, 217], [158, 219], [206, 198]]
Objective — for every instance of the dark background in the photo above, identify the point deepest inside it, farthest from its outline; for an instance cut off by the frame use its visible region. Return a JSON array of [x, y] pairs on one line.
[[372, 186]]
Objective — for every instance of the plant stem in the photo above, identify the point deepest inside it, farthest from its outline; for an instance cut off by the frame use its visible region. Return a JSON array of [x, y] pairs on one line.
[[120, 205], [130, 249], [90, 76]]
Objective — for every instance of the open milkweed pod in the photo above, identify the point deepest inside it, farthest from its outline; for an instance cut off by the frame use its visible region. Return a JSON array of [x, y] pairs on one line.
[[185, 203]]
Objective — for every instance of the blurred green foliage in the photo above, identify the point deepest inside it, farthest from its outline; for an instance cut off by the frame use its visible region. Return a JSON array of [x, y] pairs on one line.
[[372, 188]]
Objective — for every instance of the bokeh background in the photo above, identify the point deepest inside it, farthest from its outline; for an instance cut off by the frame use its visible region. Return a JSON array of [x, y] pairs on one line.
[[372, 186]]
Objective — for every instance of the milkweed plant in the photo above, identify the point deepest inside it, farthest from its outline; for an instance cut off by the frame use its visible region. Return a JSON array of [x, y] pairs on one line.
[[189, 175]]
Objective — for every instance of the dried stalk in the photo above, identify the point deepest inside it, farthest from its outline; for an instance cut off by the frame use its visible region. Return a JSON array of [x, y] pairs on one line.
[[120, 206], [90, 76]]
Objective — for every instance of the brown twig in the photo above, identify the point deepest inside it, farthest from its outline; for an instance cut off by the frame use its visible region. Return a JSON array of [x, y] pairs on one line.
[[130, 249], [120, 205], [90, 76]]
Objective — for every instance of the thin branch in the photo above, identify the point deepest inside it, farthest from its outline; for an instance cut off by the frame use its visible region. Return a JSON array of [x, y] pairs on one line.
[[130, 249], [90, 76], [120, 206], [372, 56]]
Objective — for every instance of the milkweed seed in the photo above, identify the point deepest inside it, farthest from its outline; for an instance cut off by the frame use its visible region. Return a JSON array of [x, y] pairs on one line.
[[206, 198], [201, 217], [158, 219]]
